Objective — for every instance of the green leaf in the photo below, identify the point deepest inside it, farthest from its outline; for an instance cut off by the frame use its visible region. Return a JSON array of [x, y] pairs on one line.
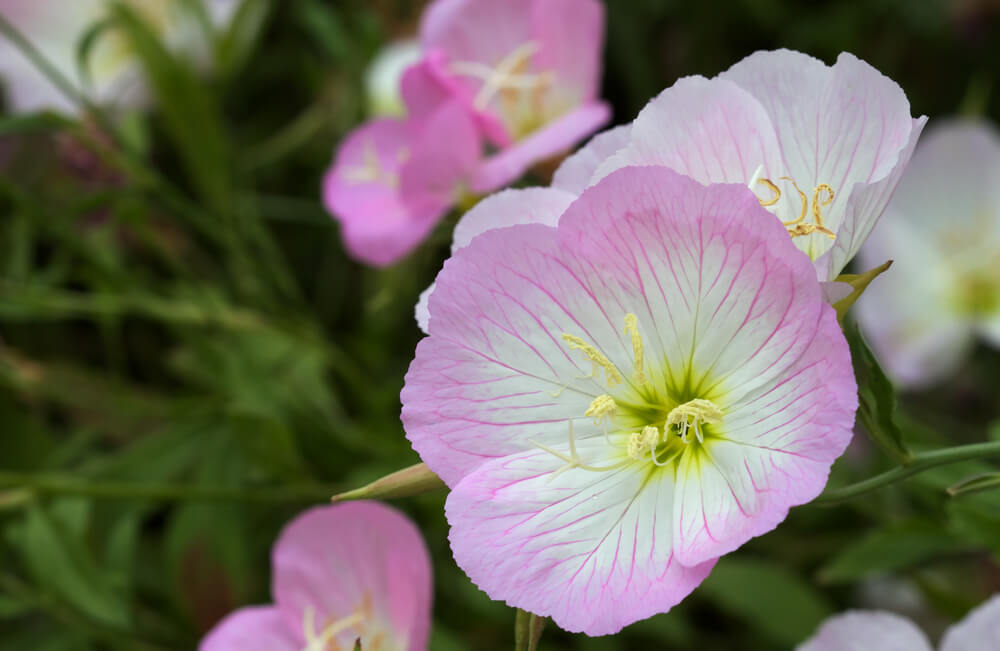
[[975, 484], [20, 123], [894, 547], [859, 283], [768, 596], [876, 399], [527, 630], [238, 42]]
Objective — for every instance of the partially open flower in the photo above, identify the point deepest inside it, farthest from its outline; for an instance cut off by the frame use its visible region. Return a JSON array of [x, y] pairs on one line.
[[354, 571], [110, 73], [942, 229], [860, 629], [618, 400]]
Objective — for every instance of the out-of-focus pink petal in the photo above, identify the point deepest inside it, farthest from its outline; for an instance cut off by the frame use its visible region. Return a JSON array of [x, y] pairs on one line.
[[506, 208], [550, 140], [257, 628], [867, 630], [394, 179], [847, 126], [571, 38], [591, 551], [979, 630], [424, 88], [577, 171], [358, 558]]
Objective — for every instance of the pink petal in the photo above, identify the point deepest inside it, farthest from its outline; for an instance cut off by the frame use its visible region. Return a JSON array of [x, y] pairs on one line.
[[571, 36], [507, 208], [257, 628], [424, 86], [979, 630], [550, 140], [862, 630], [421, 165], [337, 560], [577, 171], [591, 551]]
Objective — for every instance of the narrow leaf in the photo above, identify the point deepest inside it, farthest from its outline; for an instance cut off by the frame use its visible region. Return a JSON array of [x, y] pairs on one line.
[[859, 283], [975, 484]]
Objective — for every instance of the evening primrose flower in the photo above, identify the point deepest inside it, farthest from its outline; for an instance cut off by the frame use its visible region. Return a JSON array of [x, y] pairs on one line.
[[942, 229], [823, 147], [529, 70], [354, 571], [858, 630], [618, 400], [110, 73]]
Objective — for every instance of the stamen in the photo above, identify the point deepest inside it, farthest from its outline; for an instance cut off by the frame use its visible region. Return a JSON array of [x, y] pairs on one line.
[[322, 641], [573, 459], [371, 171], [504, 75], [601, 409], [769, 184], [802, 197], [596, 357], [632, 329], [692, 415]]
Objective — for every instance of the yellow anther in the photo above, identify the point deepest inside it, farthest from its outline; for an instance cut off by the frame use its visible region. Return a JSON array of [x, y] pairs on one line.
[[692, 415], [601, 409], [596, 357], [802, 197], [632, 329], [769, 184], [643, 442], [817, 215], [798, 227]]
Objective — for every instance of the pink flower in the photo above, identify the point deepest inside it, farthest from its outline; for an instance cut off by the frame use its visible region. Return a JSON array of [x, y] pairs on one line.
[[113, 75], [618, 400], [393, 180], [942, 229], [855, 630], [353, 571], [823, 147], [530, 70]]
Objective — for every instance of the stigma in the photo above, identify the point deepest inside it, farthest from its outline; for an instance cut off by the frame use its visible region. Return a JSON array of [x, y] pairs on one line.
[[691, 415]]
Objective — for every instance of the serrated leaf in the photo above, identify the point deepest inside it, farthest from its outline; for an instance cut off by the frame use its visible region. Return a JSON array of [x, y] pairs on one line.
[[894, 547], [768, 596]]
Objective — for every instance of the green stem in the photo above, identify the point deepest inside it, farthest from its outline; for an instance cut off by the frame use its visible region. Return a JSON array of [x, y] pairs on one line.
[[920, 462], [54, 484]]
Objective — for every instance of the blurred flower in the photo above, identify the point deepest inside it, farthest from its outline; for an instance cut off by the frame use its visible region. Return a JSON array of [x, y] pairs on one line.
[[340, 573], [942, 229], [382, 80], [529, 69], [110, 73], [860, 629], [822, 146], [524, 73], [393, 180], [617, 401]]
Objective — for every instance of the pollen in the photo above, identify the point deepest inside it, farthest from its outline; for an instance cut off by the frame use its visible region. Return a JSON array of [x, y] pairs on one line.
[[596, 357], [641, 442], [691, 416], [823, 196], [632, 329], [602, 409]]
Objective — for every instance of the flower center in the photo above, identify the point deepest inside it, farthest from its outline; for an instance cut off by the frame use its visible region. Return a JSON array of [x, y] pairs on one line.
[[359, 621], [822, 196], [644, 422], [518, 92], [371, 169]]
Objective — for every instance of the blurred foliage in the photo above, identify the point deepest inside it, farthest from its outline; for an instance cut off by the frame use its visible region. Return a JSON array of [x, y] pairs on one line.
[[188, 357]]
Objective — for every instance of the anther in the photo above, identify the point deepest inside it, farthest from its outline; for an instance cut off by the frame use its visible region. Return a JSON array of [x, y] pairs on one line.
[[596, 357], [692, 415], [632, 329]]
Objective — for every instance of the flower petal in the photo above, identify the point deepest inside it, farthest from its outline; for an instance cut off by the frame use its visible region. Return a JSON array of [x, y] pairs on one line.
[[577, 171], [592, 551], [979, 630], [571, 38], [337, 560], [257, 628], [862, 630]]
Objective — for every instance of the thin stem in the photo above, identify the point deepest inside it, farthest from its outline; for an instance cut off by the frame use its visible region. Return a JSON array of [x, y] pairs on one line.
[[55, 484], [921, 462]]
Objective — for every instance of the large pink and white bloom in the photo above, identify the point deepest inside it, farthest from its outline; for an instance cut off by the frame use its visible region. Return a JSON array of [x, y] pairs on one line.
[[942, 229], [111, 73], [618, 400], [861, 630], [822, 146], [530, 70], [354, 571]]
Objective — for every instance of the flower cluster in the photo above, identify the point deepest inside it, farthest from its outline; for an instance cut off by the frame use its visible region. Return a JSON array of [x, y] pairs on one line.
[[636, 370], [518, 78]]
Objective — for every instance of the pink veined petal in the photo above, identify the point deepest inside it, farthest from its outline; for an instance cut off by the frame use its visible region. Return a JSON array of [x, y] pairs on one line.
[[979, 630], [577, 171], [709, 129], [550, 140], [355, 557], [865, 631], [845, 125], [834, 292], [571, 38], [506, 208], [591, 550], [257, 628]]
